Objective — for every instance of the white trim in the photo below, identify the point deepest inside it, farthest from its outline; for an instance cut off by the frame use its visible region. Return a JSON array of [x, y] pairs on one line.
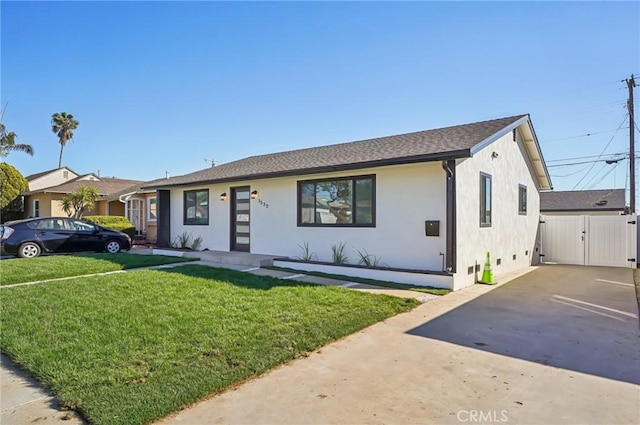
[[536, 161], [149, 219], [486, 142]]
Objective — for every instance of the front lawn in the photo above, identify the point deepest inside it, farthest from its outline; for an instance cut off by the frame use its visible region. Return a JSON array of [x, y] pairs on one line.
[[19, 270], [132, 348]]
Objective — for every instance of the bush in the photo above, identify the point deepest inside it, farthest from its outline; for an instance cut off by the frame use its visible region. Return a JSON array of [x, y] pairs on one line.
[[12, 183], [114, 222]]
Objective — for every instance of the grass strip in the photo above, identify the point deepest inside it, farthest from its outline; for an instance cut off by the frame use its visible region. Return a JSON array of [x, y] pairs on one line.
[[426, 289], [132, 348], [19, 270]]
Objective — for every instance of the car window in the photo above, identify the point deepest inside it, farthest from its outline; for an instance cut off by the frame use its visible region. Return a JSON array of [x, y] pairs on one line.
[[82, 226], [41, 224]]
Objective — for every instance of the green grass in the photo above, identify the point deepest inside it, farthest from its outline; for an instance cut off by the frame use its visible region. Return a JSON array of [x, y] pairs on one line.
[[132, 348], [19, 270], [385, 284]]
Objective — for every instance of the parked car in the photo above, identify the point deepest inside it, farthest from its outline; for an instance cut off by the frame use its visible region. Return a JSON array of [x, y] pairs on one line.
[[31, 237]]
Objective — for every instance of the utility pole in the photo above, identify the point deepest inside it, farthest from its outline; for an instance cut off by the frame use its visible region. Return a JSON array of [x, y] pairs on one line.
[[631, 83]]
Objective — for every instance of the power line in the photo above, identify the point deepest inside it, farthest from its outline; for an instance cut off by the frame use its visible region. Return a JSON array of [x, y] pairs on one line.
[[570, 174], [605, 148], [586, 162], [605, 175], [583, 135], [584, 157]]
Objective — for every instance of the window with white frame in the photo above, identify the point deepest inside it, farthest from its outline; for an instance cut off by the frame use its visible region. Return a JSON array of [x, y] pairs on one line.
[[152, 209], [36, 208]]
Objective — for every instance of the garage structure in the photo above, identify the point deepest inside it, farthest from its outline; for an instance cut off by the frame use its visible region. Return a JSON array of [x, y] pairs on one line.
[[589, 227]]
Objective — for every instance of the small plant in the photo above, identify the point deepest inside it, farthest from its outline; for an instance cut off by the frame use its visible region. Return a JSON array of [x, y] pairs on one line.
[[337, 252], [197, 243], [367, 259], [307, 254], [183, 240]]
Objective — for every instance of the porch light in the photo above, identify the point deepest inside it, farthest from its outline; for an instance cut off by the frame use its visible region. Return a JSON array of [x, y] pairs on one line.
[[223, 196], [254, 194]]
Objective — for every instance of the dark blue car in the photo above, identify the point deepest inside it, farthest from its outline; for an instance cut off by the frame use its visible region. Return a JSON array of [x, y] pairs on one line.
[[32, 237]]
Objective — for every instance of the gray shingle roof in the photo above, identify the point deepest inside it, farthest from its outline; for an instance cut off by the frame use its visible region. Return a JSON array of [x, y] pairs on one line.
[[583, 200], [105, 186], [448, 142]]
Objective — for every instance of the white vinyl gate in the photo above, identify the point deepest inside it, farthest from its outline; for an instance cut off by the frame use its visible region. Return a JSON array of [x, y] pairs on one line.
[[592, 240]]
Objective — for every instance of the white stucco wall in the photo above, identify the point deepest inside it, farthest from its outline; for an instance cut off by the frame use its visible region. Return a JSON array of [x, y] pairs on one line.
[[406, 196], [510, 233], [53, 178]]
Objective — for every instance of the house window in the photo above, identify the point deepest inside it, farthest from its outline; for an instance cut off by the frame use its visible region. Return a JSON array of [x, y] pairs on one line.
[[196, 207], [65, 174], [153, 209], [36, 208], [346, 201], [522, 199], [485, 200]]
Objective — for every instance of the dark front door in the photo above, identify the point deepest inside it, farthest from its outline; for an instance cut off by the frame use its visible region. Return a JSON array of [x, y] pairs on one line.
[[240, 205]]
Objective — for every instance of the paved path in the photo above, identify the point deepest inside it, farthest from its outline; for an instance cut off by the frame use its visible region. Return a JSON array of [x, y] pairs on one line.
[[23, 401]]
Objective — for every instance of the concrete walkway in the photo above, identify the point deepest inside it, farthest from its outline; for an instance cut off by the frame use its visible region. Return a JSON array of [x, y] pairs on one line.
[[251, 263], [24, 401]]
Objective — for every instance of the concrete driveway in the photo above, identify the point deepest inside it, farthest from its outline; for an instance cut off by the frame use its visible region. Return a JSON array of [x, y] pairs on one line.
[[557, 345]]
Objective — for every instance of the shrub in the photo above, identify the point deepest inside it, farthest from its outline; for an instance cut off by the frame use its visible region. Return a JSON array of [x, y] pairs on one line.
[[12, 183], [114, 222]]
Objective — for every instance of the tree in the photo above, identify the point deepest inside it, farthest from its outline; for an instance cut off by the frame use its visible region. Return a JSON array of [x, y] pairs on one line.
[[8, 143], [63, 124], [12, 184], [82, 200]]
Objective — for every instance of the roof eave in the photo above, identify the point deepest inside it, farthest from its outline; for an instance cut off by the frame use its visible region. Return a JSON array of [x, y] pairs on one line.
[[535, 155], [463, 153]]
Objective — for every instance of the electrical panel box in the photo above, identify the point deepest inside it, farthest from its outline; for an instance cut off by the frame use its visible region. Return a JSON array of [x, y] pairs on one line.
[[432, 227]]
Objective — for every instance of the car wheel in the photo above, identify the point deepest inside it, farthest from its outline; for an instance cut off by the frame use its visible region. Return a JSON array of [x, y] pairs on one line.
[[29, 250], [113, 247]]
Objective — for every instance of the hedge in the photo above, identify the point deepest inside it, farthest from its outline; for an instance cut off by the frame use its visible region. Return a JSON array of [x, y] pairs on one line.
[[114, 222]]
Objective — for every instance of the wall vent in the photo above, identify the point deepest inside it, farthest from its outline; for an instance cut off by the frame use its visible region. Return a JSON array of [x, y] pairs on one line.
[[498, 261], [514, 256]]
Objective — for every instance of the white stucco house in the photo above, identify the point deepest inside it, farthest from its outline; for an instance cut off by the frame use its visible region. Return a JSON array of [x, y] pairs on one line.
[[429, 205]]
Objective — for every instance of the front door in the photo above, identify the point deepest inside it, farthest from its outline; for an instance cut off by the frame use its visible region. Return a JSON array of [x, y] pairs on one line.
[[135, 214], [240, 205]]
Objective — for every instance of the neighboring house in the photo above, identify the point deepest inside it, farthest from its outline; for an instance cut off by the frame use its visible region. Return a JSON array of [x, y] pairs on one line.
[[46, 202], [50, 178], [428, 204], [583, 202], [140, 207]]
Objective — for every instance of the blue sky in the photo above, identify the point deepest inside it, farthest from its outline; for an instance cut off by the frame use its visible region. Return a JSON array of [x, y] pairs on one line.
[[159, 86]]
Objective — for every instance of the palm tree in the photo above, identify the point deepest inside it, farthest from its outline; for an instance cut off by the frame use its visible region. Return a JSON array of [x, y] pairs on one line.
[[63, 124], [8, 143]]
